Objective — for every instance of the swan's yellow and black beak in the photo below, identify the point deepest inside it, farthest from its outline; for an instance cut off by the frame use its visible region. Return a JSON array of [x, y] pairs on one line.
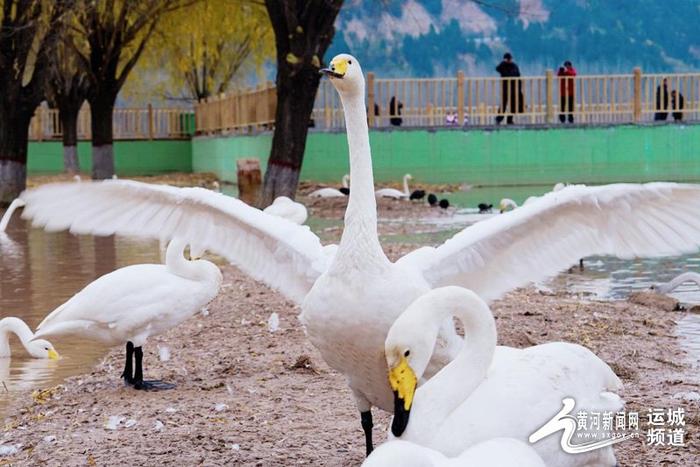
[[53, 355], [403, 382], [337, 69]]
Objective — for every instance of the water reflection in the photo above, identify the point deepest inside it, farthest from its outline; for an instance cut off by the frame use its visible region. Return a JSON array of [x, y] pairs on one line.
[[38, 272]]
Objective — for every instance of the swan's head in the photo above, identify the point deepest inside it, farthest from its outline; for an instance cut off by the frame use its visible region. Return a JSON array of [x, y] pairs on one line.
[[408, 348], [408, 177], [345, 73], [507, 204], [40, 348]]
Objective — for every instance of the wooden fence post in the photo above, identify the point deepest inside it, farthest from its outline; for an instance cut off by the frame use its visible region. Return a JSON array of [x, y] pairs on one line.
[[549, 84], [460, 98], [637, 109], [370, 99], [150, 121]]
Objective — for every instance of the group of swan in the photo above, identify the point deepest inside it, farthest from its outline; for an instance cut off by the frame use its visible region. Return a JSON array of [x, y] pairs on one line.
[[350, 295], [126, 307], [488, 391]]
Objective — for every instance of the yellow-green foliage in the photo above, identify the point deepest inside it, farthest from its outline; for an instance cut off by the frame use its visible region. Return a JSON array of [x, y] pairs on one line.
[[204, 49]]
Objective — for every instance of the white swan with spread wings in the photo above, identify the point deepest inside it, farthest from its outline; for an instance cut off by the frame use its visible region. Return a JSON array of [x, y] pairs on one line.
[[350, 295]]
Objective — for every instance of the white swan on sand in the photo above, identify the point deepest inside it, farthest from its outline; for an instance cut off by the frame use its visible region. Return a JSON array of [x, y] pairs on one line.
[[131, 304], [497, 452], [393, 192], [37, 348], [14, 205], [287, 209], [489, 391], [352, 294], [332, 192]]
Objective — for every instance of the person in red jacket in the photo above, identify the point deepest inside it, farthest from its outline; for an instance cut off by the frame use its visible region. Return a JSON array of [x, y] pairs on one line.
[[566, 75]]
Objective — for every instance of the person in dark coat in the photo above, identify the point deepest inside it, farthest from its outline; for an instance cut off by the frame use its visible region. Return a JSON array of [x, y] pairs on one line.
[[566, 75], [511, 89], [661, 101], [677, 104], [395, 107]]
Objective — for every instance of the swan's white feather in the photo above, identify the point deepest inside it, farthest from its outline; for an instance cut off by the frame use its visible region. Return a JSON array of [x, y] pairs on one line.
[[326, 193], [497, 452], [285, 256], [390, 193], [546, 236], [135, 302]]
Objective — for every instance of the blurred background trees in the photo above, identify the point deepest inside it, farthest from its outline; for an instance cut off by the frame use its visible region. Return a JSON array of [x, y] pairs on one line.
[[28, 37], [204, 50]]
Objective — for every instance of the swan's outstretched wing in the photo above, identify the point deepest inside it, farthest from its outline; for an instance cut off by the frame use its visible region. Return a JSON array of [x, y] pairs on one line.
[[284, 255], [548, 235]]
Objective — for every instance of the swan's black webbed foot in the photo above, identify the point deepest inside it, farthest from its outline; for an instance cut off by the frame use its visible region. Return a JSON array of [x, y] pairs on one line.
[[139, 383]]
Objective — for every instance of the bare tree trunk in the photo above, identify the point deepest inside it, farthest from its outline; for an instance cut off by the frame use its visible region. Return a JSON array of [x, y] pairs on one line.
[[101, 110], [295, 100], [14, 136], [69, 124], [303, 32]]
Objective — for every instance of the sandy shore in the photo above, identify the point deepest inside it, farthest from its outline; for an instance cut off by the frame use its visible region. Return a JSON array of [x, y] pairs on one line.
[[248, 396]]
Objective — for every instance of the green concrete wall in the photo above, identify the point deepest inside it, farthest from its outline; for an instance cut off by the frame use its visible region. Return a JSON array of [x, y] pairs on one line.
[[494, 156], [130, 157]]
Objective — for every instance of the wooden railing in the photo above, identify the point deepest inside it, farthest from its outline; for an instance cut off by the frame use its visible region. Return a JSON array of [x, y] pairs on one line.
[[242, 111], [462, 100], [129, 123]]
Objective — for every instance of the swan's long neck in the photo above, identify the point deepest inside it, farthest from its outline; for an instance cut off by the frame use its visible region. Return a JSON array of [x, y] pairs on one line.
[[458, 379], [678, 280], [16, 203], [405, 185], [346, 181], [360, 242], [19, 328], [175, 260]]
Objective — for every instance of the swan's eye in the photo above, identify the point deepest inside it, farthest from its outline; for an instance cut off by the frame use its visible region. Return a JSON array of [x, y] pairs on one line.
[[349, 62], [407, 353]]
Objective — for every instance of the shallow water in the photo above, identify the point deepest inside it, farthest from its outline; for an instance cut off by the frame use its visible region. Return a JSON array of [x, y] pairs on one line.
[[40, 270]]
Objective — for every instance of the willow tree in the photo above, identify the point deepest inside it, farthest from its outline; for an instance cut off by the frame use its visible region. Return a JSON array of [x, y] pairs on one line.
[[303, 32], [205, 49], [28, 34], [110, 37]]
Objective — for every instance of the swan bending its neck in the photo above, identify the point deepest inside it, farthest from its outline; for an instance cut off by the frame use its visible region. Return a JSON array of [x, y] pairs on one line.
[[195, 270], [420, 324], [38, 348], [676, 281], [16, 203]]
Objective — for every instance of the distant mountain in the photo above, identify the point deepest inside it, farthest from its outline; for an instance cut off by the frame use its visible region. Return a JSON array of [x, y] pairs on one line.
[[425, 38]]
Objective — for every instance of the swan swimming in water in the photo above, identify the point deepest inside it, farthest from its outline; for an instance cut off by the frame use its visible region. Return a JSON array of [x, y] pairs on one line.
[[332, 192], [351, 294], [131, 304], [497, 452], [37, 348], [489, 391], [393, 192]]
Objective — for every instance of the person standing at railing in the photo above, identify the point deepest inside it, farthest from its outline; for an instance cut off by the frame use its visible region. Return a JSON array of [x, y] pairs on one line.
[[566, 76], [395, 107], [677, 103], [661, 101], [511, 90]]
